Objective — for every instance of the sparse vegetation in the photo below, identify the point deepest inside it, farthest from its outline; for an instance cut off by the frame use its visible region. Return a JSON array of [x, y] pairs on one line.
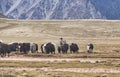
[[49, 69], [102, 33], [105, 35], [76, 55]]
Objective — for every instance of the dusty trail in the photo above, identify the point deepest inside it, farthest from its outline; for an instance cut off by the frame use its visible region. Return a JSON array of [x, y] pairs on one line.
[[78, 70], [92, 60]]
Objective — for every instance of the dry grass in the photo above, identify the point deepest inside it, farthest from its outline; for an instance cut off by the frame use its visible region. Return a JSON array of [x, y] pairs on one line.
[[40, 73], [36, 69], [114, 54], [104, 34]]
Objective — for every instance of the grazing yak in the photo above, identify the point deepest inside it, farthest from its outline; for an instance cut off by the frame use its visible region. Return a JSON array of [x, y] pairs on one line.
[[7, 48], [59, 49], [4, 49], [48, 48], [26, 47], [33, 47], [74, 48], [14, 46], [90, 48], [43, 48], [63, 48]]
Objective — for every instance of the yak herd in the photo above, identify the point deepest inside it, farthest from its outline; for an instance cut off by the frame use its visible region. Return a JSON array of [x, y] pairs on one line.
[[6, 49]]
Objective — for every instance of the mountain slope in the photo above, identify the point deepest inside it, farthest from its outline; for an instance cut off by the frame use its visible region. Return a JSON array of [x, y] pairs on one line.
[[61, 9], [2, 16], [108, 8], [49, 9]]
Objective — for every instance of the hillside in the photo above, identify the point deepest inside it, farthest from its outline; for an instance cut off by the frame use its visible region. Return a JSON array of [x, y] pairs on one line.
[[109, 8], [61, 9], [49, 9], [2, 16]]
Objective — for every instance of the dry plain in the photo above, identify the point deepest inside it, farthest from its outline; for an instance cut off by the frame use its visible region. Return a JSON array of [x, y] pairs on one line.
[[104, 34]]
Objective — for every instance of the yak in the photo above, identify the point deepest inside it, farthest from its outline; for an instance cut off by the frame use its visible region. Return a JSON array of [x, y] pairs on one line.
[[90, 48], [74, 48], [63, 48], [48, 48]]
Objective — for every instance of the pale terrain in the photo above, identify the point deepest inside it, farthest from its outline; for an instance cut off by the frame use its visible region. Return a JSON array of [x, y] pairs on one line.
[[104, 34]]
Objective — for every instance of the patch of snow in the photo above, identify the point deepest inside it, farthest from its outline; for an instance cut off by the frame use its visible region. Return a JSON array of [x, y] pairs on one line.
[[13, 7]]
